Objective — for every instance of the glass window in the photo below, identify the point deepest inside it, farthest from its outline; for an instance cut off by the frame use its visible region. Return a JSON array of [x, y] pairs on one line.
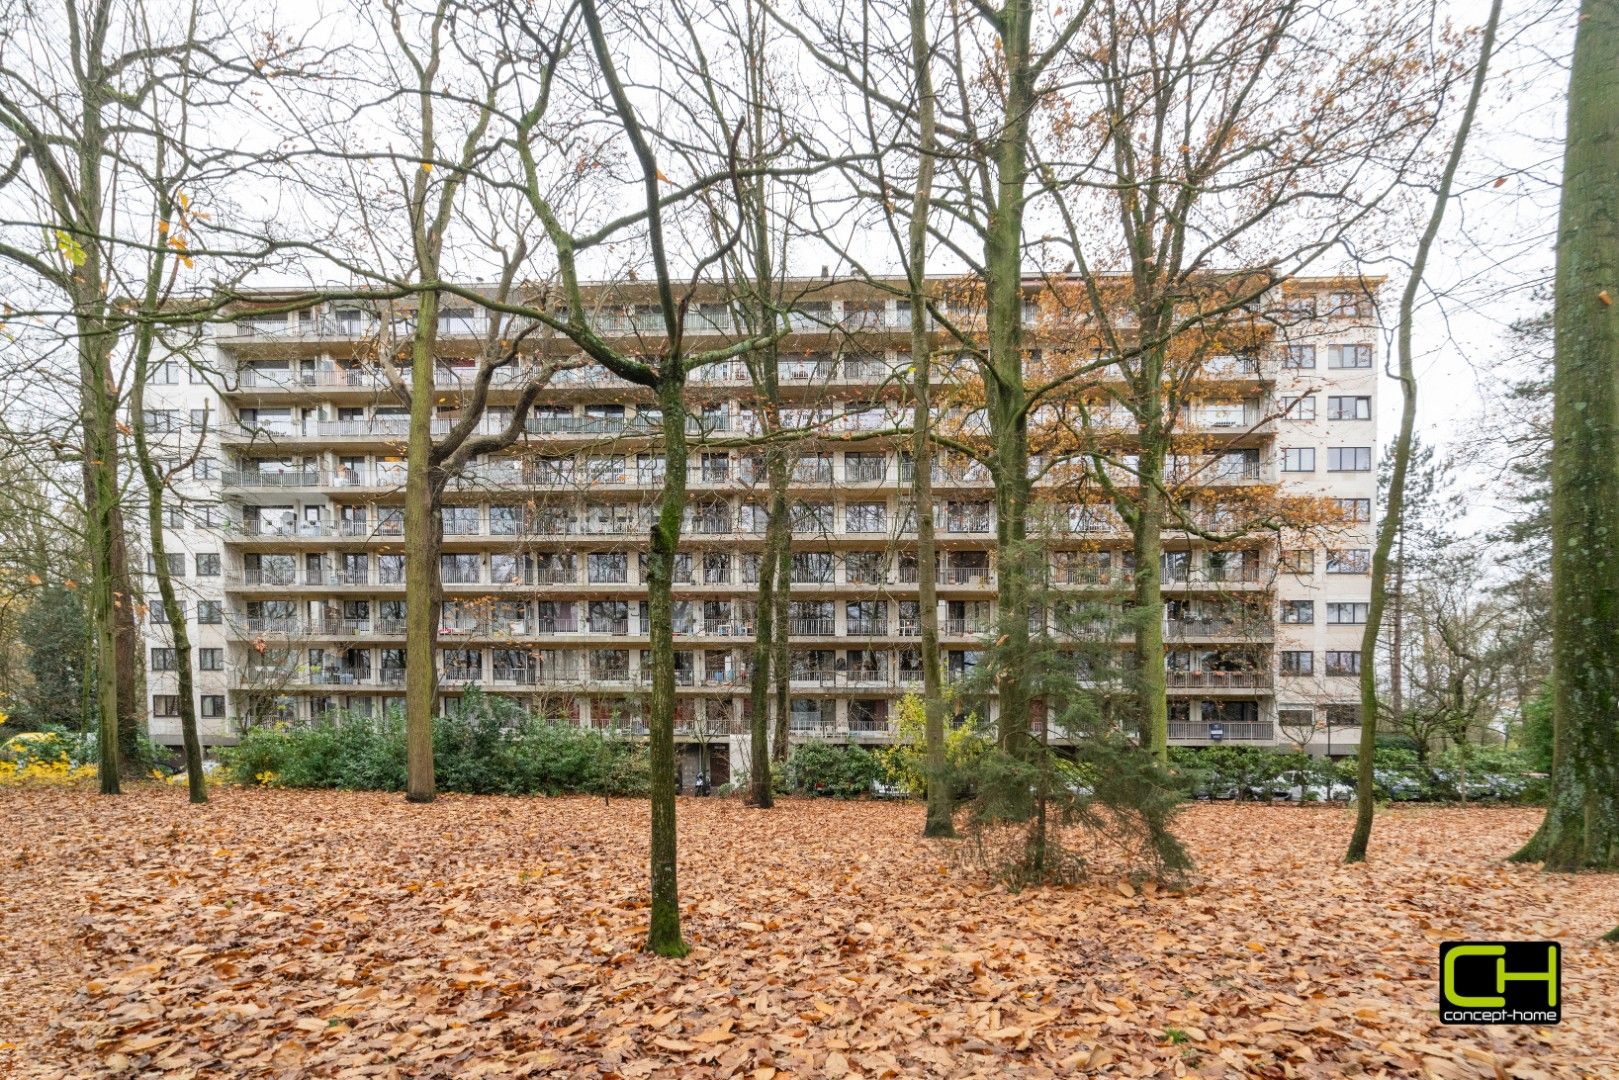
[[1300, 358], [1355, 509], [1298, 662], [1349, 459], [1298, 611], [1349, 356], [1343, 661], [607, 567], [1298, 459], [1347, 613], [1349, 408], [1299, 406]]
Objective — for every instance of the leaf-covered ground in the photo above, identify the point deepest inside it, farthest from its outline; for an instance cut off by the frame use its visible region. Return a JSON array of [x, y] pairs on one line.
[[295, 934]]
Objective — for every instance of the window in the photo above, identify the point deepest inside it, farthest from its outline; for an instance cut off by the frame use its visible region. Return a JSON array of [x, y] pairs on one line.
[[207, 515], [716, 568], [1349, 356], [209, 612], [1300, 561], [160, 614], [161, 421], [1343, 716], [865, 517], [163, 373], [1355, 509], [1300, 358], [166, 705], [176, 560], [1349, 408], [1298, 662], [1296, 716], [1349, 305], [814, 568], [1349, 459], [866, 567], [460, 569], [390, 569], [609, 664], [866, 618], [607, 567], [1343, 661], [1298, 611], [859, 468], [505, 520], [210, 659], [462, 665], [460, 520], [162, 659], [1298, 406], [1298, 459], [1349, 560], [213, 706], [174, 515], [205, 469], [207, 564], [1343, 614]]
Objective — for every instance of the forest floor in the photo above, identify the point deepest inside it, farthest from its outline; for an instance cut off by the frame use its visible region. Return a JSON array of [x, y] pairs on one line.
[[311, 934]]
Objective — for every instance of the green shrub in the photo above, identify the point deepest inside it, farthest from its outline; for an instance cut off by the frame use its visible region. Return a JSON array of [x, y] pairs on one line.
[[838, 772], [1239, 772], [481, 746]]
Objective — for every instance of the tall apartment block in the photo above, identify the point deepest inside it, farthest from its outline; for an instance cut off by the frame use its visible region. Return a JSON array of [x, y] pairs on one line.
[[289, 531]]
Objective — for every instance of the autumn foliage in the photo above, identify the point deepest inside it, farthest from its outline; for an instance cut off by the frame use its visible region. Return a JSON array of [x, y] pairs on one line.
[[311, 934]]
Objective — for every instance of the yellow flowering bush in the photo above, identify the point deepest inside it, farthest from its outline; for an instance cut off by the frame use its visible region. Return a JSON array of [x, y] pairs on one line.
[[40, 757], [56, 771]]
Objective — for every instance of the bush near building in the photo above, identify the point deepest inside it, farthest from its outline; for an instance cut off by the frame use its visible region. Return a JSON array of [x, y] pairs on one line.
[[484, 746]]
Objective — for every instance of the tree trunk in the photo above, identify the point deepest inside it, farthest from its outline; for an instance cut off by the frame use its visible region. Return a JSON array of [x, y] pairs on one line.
[[1005, 392], [179, 631], [1582, 823], [779, 511], [1147, 534], [939, 817], [663, 935], [764, 614], [422, 585], [132, 727], [1393, 513], [98, 418]]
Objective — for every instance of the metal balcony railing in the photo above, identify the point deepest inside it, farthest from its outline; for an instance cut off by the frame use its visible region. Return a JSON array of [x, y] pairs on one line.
[[1231, 731], [1218, 680], [813, 627]]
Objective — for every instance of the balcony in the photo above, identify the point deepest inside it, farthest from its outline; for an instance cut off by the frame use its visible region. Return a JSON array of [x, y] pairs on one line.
[[812, 627], [296, 478], [1230, 731], [1218, 680], [1253, 627], [867, 627]]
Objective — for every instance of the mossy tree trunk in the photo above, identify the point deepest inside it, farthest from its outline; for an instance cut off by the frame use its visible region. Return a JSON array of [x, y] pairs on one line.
[[1581, 829]]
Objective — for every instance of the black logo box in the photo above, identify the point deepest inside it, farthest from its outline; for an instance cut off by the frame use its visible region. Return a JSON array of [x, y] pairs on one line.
[[1500, 982]]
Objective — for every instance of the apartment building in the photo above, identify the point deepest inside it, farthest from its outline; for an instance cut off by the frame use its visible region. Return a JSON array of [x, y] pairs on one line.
[[288, 532]]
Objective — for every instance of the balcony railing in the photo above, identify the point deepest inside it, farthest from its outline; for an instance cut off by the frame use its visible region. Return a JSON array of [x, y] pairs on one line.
[[813, 627], [1218, 680], [1230, 731], [296, 478]]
